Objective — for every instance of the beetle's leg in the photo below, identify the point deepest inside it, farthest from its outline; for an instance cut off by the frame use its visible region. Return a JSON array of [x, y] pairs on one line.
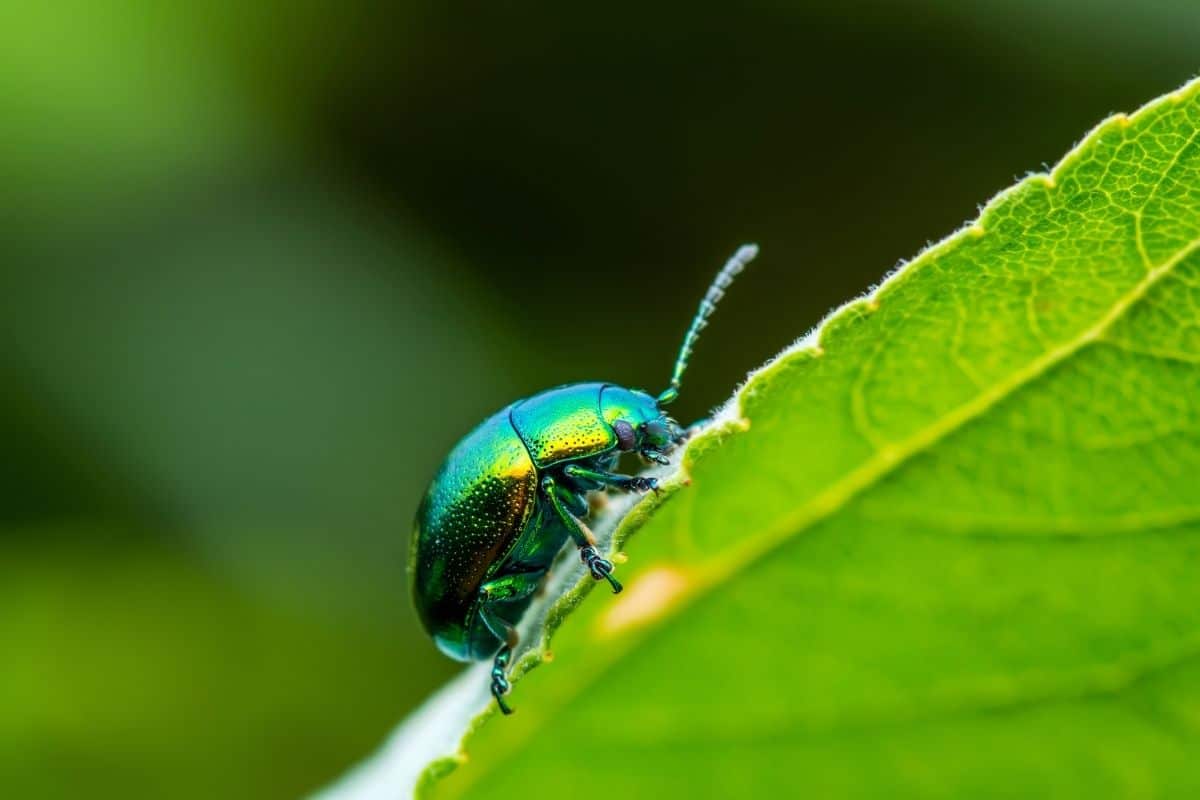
[[657, 456], [508, 587], [583, 537], [507, 634], [599, 567], [573, 502], [580, 533], [500, 684], [626, 483]]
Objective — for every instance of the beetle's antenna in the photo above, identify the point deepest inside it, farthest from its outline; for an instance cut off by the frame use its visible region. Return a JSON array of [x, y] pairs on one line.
[[716, 290]]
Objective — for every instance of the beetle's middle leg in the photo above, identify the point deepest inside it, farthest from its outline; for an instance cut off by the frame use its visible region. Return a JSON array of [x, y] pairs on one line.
[[584, 539], [598, 478], [502, 589]]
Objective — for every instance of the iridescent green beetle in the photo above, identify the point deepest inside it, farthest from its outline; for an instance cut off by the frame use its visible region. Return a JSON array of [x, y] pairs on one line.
[[514, 490]]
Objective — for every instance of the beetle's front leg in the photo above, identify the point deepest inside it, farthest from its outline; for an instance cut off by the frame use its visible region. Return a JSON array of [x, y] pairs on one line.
[[508, 587], [582, 536], [655, 455], [627, 483]]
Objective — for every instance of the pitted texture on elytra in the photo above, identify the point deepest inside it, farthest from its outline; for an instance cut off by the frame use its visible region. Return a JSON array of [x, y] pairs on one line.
[[956, 550], [556, 427], [478, 505]]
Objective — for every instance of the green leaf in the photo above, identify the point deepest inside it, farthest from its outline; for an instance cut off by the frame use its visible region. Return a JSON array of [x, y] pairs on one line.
[[947, 544]]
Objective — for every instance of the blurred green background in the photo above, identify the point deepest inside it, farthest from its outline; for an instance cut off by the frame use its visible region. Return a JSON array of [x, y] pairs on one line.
[[263, 263]]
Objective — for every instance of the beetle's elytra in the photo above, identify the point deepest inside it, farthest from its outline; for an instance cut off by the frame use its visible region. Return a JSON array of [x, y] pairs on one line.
[[514, 490]]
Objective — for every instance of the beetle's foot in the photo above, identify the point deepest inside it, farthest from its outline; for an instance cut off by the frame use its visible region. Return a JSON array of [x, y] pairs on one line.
[[657, 456], [500, 687], [601, 568], [499, 695], [641, 484]]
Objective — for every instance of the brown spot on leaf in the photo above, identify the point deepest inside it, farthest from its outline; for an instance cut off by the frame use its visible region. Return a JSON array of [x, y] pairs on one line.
[[646, 599]]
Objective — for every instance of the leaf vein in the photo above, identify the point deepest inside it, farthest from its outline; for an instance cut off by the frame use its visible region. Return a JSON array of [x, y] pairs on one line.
[[885, 461]]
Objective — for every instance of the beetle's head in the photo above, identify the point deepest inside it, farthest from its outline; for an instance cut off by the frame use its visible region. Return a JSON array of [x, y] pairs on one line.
[[639, 423], [662, 433]]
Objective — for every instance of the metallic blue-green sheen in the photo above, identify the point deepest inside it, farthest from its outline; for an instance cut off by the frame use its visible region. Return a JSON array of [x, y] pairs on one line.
[[515, 490], [482, 517]]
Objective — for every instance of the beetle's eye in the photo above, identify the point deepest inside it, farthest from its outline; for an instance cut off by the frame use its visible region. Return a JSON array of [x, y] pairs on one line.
[[626, 438]]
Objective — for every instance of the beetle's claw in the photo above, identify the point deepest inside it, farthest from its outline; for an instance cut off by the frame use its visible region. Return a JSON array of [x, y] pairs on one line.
[[651, 456], [601, 568], [499, 695], [500, 687], [613, 582], [641, 484]]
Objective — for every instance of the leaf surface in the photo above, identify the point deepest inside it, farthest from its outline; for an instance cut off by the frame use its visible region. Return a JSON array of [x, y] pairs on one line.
[[947, 544]]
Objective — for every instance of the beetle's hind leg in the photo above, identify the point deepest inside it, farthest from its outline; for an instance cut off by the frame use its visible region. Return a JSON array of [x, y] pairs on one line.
[[499, 590], [601, 568], [500, 684]]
